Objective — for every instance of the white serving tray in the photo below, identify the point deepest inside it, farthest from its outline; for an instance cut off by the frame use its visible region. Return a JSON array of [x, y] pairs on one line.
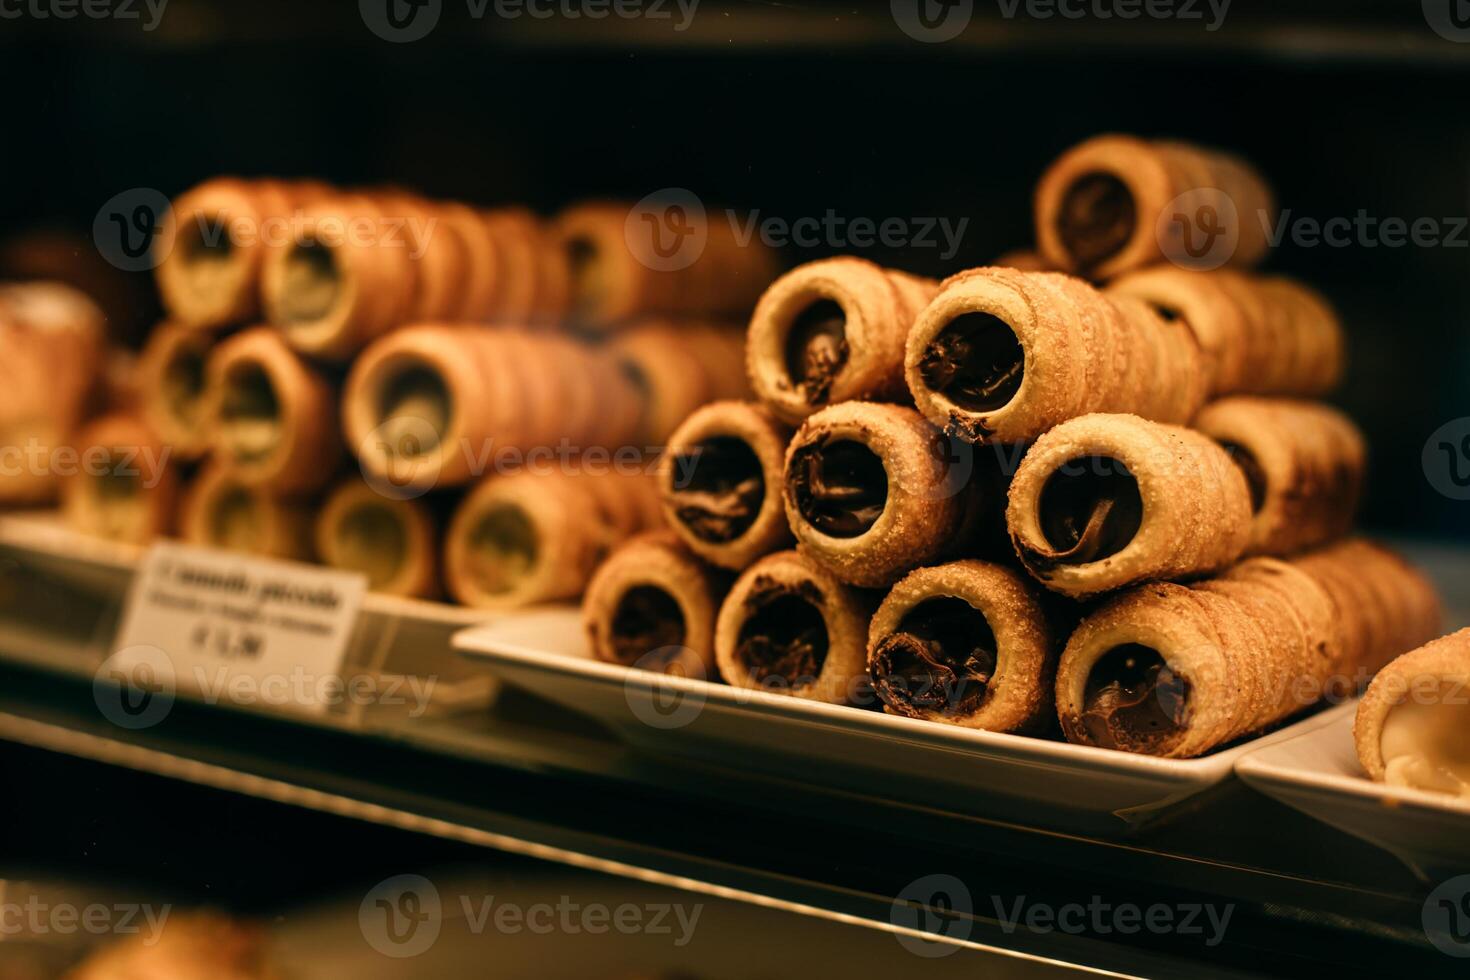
[[1317, 772], [1027, 781]]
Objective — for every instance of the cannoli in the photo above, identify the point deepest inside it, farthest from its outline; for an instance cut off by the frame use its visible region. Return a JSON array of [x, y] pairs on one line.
[[119, 385], [391, 540], [671, 364], [1302, 461], [174, 394], [832, 331], [967, 643], [1105, 501], [652, 605], [1103, 207], [789, 627], [1177, 671], [1025, 259], [1266, 336], [720, 349], [870, 493], [1411, 725], [124, 488], [272, 417], [218, 511], [721, 479], [1005, 355], [535, 279], [437, 250]]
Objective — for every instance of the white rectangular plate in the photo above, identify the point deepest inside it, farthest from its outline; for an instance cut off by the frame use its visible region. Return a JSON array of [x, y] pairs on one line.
[[1317, 772], [1029, 781]]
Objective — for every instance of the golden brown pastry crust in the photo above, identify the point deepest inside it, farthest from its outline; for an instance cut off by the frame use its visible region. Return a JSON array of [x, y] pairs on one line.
[[218, 511], [171, 381], [678, 366], [125, 488], [1438, 670], [392, 540]]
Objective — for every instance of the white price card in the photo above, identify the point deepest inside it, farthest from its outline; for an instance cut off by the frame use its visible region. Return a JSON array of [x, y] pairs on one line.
[[238, 629]]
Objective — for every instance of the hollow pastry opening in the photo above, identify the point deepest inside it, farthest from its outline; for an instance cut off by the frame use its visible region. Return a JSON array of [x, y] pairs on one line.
[[183, 384], [118, 482], [1423, 740], [1096, 219], [975, 361], [840, 486], [503, 549], [647, 620], [816, 348], [1250, 467], [250, 413], [1090, 509], [235, 521], [589, 276], [312, 282], [371, 539], [203, 242], [940, 660], [1135, 701], [718, 488], [414, 407], [783, 639]]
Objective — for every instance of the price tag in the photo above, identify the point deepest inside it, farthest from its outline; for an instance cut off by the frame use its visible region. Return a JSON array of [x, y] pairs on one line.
[[239, 629]]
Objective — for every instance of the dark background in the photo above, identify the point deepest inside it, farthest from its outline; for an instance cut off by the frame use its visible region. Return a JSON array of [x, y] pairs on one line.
[[792, 110]]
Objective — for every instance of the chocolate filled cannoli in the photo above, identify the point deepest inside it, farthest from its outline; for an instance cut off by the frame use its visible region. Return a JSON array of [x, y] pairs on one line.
[[789, 627], [721, 479], [832, 331], [871, 492], [527, 537], [1104, 206], [218, 511], [391, 540], [653, 604], [1002, 355], [1302, 461], [1176, 671], [968, 643], [1105, 501], [271, 416], [678, 367], [1267, 336], [438, 406], [173, 389], [1411, 725], [124, 488]]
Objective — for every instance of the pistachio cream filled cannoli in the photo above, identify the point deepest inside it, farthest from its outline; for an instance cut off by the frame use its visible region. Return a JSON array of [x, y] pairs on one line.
[[832, 331], [967, 643], [527, 537], [1266, 336], [1411, 725], [1003, 355], [871, 492], [653, 604], [1105, 501], [1103, 207], [789, 627], [174, 395], [1303, 463], [391, 540], [1176, 670], [124, 488], [272, 417], [218, 511], [721, 478]]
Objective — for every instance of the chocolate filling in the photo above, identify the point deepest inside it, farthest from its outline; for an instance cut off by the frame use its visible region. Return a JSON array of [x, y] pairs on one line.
[[784, 635], [502, 549], [312, 283], [1255, 476], [250, 413], [839, 486], [1133, 701], [722, 488], [647, 619], [816, 349], [940, 660], [372, 540], [1096, 219], [975, 361], [1090, 509], [183, 384], [414, 408]]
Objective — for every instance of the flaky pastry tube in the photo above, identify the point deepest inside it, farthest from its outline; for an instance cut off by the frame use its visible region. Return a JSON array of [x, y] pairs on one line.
[[1411, 726], [171, 381], [966, 643], [832, 331], [1303, 462], [124, 488], [652, 605], [391, 540], [720, 479], [789, 627], [218, 511]]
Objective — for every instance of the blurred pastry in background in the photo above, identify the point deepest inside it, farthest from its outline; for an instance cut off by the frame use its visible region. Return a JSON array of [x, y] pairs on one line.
[[124, 487]]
